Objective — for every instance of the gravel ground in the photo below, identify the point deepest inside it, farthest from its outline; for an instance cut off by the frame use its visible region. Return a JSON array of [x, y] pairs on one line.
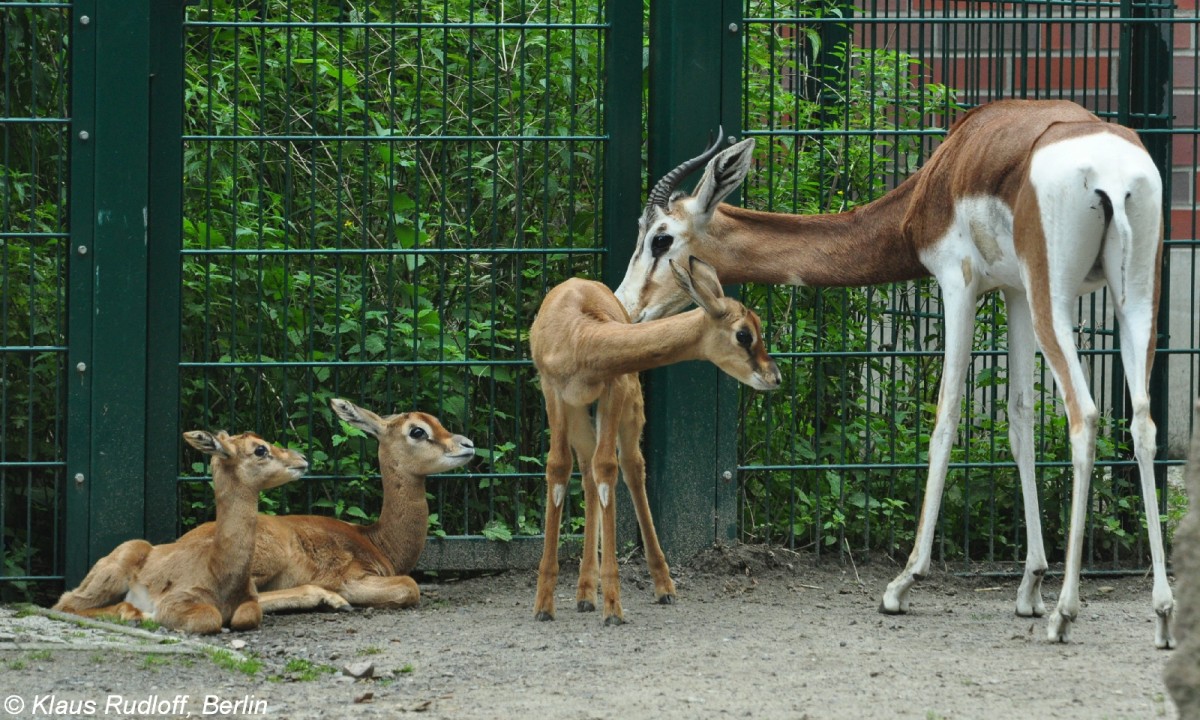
[[756, 634]]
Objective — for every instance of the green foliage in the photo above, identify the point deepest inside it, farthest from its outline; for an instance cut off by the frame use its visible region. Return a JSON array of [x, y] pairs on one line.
[[408, 196], [33, 225]]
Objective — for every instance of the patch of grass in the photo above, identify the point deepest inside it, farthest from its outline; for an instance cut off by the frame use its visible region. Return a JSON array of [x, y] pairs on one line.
[[41, 655], [370, 650], [408, 669], [302, 670], [228, 661], [149, 625], [24, 611], [16, 665], [154, 662]]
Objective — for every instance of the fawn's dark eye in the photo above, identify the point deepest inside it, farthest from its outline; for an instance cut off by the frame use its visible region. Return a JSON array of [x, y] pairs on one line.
[[262, 451], [418, 433], [660, 244], [744, 338]]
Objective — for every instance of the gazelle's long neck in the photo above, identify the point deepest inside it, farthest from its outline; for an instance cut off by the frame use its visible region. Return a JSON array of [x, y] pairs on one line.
[[403, 519], [233, 538], [864, 246], [619, 348]]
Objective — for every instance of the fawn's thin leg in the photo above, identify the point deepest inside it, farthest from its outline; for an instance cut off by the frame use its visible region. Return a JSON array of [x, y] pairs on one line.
[[604, 465], [633, 469], [558, 471], [583, 443]]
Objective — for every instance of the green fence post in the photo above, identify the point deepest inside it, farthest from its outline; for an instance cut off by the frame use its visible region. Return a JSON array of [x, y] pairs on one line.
[[691, 441], [623, 181], [165, 274], [109, 218], [79, 295]]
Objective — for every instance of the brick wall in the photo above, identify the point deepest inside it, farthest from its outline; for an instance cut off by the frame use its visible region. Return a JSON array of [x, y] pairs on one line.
[[996, 50]]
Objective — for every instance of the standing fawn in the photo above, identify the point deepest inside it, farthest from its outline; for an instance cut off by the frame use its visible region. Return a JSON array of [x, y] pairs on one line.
[[1040, 200], [586, 351], [201, 586], [302, 562]]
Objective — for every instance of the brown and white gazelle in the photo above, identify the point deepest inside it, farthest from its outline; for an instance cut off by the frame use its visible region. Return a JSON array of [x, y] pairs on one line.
[[1038, 199], [586, 351], [303, 562], [196, 587]]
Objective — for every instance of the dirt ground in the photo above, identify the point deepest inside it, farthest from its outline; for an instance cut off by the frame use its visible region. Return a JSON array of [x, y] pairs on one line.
[[756, 634]]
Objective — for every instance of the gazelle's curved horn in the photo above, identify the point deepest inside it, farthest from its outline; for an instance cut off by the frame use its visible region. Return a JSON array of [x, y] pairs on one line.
[[661, 192]]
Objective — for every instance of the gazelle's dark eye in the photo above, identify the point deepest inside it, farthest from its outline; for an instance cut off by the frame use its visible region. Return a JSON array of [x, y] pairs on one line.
[[262, 451], [660, 244], [418, 433], [744, 338]]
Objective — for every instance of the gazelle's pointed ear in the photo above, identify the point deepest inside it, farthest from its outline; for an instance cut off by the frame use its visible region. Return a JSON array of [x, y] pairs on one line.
[[701, 283], [216, 445], [360, 418], [722, 176]]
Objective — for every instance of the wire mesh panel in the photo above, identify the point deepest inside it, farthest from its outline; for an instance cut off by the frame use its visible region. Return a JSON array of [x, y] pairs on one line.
[[34, 121], [378, 196], [846, 104]]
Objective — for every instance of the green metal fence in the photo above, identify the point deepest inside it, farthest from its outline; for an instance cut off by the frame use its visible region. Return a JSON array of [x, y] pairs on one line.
[[275, 202], [378, 198], [845, 105], [33, 255]]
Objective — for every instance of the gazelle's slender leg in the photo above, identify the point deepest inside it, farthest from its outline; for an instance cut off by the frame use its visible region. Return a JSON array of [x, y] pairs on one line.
[[1059, 349], [1135, 281], [1021, 347], [604, 465], [583, 444], [302, 597], [1050, 283], [1134, 339], [558, 472], [959, 302], [633, 469], [391, 591]]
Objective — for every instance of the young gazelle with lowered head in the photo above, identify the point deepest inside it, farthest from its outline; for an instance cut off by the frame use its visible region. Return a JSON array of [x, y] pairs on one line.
[[586, 351], [302, 562], [202, 586], [1038, 199]]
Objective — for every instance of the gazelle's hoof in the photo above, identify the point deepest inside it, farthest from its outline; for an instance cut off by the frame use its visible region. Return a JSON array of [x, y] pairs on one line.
[[586, 606], [543, 616], [614, 620], [666, 600], [1164, 635], [1058, 629]]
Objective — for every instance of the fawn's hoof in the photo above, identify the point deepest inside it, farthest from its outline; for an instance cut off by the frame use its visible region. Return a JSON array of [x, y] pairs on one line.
[[587, 606], [543, 616]]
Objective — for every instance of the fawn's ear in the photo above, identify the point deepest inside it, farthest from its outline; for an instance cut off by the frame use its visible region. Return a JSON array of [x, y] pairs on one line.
[[216, 445], [701, 283], [360, 418]]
